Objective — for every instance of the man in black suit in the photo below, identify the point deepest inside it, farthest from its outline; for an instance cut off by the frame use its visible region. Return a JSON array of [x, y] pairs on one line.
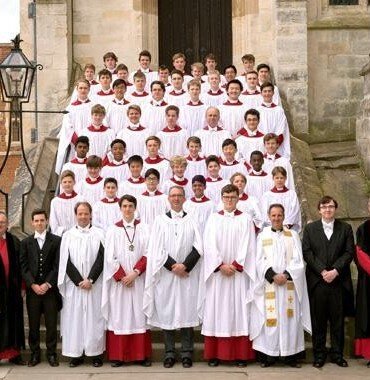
[[39, 256], [328, 248]]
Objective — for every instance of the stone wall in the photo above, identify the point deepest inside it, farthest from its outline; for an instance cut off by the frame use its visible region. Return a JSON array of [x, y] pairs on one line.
[[338, 45], [363, 121], [54, 51], [124, 27]]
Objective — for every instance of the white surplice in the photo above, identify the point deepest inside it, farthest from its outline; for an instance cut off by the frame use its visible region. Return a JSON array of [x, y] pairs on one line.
[[170, 301], [122, 306], [225, 302], [82, 325]]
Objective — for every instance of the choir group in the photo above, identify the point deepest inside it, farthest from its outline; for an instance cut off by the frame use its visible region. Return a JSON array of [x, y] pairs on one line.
[[177, 209]]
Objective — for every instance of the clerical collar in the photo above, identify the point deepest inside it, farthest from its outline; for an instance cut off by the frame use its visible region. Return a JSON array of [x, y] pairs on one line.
[[4, 236], [93, 181], [83, 229], [139, 93], [67, 196], [274, 230], [284, 189], [198, 103], [230, 214], [41, 236], [177, 215], [145, 71], [80, 160], [215, 92]]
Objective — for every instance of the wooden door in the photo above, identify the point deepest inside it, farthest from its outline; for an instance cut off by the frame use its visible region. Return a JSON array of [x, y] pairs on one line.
[[196, 28]]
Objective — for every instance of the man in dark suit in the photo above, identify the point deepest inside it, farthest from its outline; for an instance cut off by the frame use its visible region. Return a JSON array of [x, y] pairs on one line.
[[39, 256], [328, 248]]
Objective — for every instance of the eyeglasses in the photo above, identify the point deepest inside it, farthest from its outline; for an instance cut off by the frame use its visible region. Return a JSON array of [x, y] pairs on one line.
[[327, 207], [152, 179]]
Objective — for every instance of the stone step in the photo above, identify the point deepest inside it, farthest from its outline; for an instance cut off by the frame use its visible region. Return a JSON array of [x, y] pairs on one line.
[[349, 162], [334, 150]]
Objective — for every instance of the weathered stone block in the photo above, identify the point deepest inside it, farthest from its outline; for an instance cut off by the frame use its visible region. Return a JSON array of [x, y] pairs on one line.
[[81, 38], [330, 47], [291, 16], [292, 75]]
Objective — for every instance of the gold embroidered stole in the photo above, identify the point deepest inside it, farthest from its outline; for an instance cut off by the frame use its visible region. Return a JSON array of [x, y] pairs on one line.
[[270, 295]]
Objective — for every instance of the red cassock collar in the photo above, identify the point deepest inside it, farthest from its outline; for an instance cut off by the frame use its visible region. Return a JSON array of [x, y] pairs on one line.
[[202, 200], [236, 212], [157, 192], [106, 200], [244, 132], [90, 182], [156, 160], [140, 180], [176, 129], [102, 128], [183, 182], [283, 190], [65, 196]]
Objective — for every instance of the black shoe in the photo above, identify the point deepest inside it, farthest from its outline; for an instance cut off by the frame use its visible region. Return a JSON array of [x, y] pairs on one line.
[[146, 363], [168, 362], [53, 360], [116, 363], [74, 362], [17, 360], [97, 362], [318, 363], [187, 362], [340, 362], [293, 364], [35, 359], [241, 363], [266, 364], [213, 362]]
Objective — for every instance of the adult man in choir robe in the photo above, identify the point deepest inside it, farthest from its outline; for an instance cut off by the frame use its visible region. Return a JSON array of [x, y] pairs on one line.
[[82, 325], [172, 278], [11, 303], [123, 287], [328, 250], [362, 258], [229, 274], [280, 309], [212, 135]]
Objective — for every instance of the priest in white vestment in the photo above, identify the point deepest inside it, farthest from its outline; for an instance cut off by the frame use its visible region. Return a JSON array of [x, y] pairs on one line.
[[172, 278], [82, 324], [280, 309], [128, 338], [228, 279]]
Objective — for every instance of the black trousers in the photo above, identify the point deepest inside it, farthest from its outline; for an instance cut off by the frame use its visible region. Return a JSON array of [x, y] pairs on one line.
[[187, 342], [46, 304], [326, 302]]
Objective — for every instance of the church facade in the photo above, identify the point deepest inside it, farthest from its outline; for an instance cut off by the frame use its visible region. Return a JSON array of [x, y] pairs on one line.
[[316, 49]]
